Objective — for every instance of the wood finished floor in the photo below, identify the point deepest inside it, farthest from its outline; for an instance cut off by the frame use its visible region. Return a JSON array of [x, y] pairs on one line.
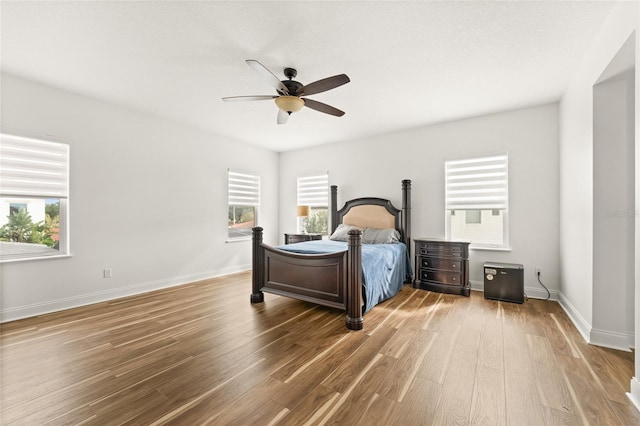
[[202, 354]]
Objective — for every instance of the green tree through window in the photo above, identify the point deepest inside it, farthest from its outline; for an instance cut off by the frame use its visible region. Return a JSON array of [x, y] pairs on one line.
[[317, 222], [21, 229]]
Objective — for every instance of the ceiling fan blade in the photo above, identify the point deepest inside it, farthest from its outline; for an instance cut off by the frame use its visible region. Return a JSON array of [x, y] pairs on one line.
[[282, 117], [323, 85], [319, 106], [271, 78], [249, 98]]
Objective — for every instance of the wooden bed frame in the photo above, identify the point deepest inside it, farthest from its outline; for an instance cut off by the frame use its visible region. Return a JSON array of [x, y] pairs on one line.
[[333, 279]]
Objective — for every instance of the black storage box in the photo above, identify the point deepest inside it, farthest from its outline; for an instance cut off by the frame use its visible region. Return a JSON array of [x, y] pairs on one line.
[[504, 281]]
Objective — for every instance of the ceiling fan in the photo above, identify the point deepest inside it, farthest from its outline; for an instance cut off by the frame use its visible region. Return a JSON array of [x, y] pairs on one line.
[[290, 92]]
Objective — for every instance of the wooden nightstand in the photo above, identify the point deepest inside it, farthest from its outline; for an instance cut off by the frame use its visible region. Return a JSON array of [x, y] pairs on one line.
[[298, 238], [442, 266]]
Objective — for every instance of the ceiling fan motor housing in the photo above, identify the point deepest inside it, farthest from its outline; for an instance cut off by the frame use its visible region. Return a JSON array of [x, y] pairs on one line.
[[292, 86]]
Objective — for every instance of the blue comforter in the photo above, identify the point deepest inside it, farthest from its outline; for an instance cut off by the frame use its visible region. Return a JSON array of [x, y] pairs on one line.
[[385, 267]]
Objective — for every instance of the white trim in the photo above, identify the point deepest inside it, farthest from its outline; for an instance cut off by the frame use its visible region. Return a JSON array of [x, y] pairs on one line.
[[634, 395], [488, 248], [540, 293], [593, 336], [609, 339], [235, 240], [578, 320], [476, 285], [29, 259], [36, 309]]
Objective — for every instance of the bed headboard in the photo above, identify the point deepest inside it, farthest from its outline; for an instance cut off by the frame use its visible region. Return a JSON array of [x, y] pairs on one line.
[[374, 212]]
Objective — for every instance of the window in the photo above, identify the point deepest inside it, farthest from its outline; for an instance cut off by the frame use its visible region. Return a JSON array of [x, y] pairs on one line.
[[477, 201], [244, 200], [34, 193], [313, 191], [473, 216]]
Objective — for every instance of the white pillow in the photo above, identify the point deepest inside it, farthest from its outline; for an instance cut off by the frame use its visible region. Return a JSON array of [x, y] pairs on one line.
[[342, 232], [380, 236]]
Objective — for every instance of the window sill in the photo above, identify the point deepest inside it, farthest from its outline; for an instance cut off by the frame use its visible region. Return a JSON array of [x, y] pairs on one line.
[[29, 259], [490, 248], [236, 240]]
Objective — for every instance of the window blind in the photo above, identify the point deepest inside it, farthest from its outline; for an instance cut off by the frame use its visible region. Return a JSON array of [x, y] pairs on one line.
[[313, 191], [33, 168], [479, 183], [244, 188]]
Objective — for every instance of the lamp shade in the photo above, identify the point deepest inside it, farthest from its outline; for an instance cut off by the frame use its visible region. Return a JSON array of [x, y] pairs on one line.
[[289, 103], [302, 211]]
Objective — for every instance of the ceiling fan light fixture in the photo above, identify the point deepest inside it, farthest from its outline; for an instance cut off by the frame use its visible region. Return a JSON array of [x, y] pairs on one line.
[[289, 99], [289, 104]]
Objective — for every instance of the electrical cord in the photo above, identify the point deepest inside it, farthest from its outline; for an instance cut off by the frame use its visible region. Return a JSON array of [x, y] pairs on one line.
[[548, 293]]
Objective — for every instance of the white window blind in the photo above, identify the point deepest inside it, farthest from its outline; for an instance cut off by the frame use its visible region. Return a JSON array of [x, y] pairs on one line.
[[33, 168], [313, 191], [244, 188], [480, 183]]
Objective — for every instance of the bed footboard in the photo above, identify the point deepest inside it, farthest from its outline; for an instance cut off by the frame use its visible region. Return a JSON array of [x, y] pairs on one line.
[[333, 279]]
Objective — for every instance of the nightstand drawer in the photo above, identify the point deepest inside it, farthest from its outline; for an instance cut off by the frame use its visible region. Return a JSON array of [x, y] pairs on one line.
[[441, 277], [441, 250], [440, 263]]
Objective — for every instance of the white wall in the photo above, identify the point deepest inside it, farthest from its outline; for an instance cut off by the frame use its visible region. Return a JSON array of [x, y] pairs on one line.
[[613, 212], [634, 394], [375, 167], [576, 167], [148, 199]]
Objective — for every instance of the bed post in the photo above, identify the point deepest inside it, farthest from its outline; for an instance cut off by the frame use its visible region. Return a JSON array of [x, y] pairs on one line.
[[354, 319], [406, 212], [258, 266], [334, 208]]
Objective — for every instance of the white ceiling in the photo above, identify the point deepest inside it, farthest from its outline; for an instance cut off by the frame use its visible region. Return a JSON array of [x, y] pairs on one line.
[[411, 63]]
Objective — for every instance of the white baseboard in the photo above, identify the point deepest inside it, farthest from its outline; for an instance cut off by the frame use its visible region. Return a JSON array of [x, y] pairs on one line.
[[634, 395], [20, 312], [610, 339], [578, 320], [593, 336], [476, 285]]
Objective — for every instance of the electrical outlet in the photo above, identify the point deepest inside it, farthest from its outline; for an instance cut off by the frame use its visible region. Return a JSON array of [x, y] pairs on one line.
[[538, 271], [106, 273]]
